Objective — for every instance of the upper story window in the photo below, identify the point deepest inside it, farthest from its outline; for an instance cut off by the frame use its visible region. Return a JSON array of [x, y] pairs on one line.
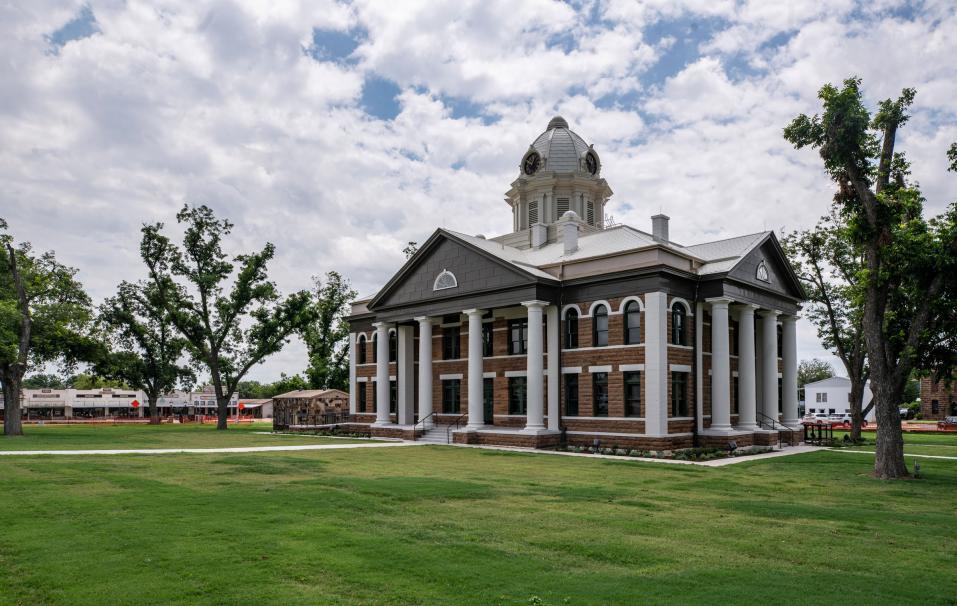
[[780, 331], [599, 321], [451, 343], [361, 349], [571, 329], [375, 346], [393, 346], [679, 324], [632, 323], [517, 337], [445, 279], [487, 339]]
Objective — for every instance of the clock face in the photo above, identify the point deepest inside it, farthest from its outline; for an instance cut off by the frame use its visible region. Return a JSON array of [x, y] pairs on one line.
[[532, 162], [591, 163]]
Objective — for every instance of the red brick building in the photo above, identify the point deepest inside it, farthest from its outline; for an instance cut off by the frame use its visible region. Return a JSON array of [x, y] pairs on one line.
[[570, 329], [937, 399]]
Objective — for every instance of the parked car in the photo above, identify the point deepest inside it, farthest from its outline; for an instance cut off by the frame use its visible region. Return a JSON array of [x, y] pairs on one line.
[[846, 420], [947, 424], [906, 414]]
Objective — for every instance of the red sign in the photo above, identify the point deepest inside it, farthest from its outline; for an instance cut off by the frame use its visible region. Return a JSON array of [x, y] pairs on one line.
[[136, 403], [242, 407]]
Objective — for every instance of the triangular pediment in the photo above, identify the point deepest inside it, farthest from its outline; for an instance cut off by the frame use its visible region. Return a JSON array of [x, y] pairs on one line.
[[767, 268], [448, 267]]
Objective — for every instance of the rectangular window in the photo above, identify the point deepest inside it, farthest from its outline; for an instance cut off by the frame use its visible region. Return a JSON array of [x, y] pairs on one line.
[[571, 395], [935, 406], [451, 343], [599, 382], [517, 337], [487, 339], [488, 399], [451, 396], [361, 388], [733, 337], [393, 397], [632, 394], [517, 395], [780, 394], [831, 411], [375, 397], [735, 396], [679, 394]]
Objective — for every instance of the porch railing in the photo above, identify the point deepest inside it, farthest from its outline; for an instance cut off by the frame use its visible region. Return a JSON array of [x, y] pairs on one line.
[[424, 425], [455, 424], [766, 422]]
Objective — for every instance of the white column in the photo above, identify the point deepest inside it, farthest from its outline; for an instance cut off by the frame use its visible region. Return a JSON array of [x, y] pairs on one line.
[[352, 373], [769, 363], [382, 374], [405, 375], [747, 400], [535, 415], [425, 366], [551, 323], [790, 387], [720, 366], [656, 364], [475, 400]]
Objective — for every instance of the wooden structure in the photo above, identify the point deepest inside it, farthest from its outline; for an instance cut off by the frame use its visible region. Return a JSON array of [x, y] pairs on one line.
[[309, 408]]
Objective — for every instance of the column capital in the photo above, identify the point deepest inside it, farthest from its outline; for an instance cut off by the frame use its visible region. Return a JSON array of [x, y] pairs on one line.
[[747, 307], [719, 301], [381, 324], [535, 304], [474, 312], [422, 319], [790, 319], [769, 313]]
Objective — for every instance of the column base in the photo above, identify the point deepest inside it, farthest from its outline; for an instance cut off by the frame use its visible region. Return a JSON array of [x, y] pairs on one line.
[[723, 431], [475, 426], [747, 427], [537, 430], [380, 423]]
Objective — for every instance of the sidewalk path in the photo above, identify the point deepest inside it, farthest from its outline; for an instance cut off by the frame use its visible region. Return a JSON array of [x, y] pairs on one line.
[[206, 450]]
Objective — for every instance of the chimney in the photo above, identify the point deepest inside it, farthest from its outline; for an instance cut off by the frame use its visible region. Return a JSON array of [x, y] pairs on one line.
[[539, 235], [568, 228], [659, 227]]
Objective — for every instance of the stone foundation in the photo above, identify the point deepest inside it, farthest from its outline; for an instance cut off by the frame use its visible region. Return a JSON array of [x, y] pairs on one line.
[[632, 441], [488, 438]]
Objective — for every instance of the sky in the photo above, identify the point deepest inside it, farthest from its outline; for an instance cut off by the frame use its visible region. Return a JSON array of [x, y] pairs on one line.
[[340, 131]]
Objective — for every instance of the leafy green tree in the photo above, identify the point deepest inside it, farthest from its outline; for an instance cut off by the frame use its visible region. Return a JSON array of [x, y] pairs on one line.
[[85, 380], [44, 314], [253, 390], [285, 384], [908, 278], [829, 264], [815, 369], [410, 249], [146, 348], [227, 331], [44, 381], [327, 336]]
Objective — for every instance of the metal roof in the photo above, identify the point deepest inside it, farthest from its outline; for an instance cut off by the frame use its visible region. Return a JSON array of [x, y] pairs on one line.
[[560, 147]]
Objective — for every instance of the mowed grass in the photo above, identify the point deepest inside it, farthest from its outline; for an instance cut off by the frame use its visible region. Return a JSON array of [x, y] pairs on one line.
[[935, 444], [446, 525], [86, 437]]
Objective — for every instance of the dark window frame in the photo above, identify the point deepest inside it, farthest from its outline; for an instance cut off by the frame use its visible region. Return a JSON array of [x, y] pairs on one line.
[[599, 326], [361, 349], [571, 394], [521, 324], [488, 339], [632, 334], [679, 397], [393, 396], [451, 342], [393, 346], [632, 379], [451, 396], [518, 395], [679, 324], [571, 329], [363, 397], [599, 394]]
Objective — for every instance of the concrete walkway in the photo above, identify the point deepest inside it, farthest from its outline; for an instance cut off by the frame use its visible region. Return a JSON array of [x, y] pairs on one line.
[[206, 450]]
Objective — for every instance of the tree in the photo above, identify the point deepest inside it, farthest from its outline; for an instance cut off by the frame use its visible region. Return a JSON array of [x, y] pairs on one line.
[[815, 369], [44, 312], [146, 350], [829, 264], [44, 381], [410, 249], [226, 331], [327, 336], [907, 280]]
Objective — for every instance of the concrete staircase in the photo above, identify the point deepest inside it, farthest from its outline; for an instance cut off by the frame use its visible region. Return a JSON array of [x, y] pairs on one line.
[[435, 434]]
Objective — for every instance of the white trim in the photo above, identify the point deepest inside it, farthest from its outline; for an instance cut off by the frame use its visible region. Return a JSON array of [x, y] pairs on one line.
[[580, 418], [591, 309], [391, 378], [594, 369], [679, 368], [451, 377], [684, 303], [363, 335], [571, 306], [631, 367], [626, 300], [488, 375], [681, 418], [571, 370], [442, 274], [362, 379], [688, 347], [516, 373], [603, 347]]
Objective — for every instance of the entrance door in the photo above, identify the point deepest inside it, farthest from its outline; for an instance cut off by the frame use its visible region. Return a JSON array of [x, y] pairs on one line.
[[488, 389]]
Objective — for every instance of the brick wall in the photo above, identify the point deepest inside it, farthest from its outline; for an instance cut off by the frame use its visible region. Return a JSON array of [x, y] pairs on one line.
[[930, 391]]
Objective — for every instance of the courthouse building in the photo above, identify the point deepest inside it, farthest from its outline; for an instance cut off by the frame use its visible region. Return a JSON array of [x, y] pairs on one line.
[[567, 328]]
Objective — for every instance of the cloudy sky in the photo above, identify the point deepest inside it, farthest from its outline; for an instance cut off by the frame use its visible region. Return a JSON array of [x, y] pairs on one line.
[[340, 131]]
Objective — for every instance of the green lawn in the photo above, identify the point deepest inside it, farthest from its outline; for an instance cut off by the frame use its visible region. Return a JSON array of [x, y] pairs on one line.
[[939, 444], [446, 525], [73, 437]]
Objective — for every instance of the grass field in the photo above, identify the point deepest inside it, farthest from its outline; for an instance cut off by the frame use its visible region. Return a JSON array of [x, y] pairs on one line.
[[446, 525], [935, 444], [84, 437]]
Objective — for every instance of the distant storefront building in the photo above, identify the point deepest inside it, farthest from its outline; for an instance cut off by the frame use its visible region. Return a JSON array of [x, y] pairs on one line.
[[832, 396], [309, 407]]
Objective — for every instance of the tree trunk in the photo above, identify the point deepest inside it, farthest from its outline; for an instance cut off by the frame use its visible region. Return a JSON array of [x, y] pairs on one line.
[[889, 454], [857, 402], [12, 388], [154, 410], [222, 409]]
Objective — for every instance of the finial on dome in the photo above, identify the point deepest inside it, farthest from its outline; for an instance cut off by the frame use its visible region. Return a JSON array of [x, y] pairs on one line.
[[557, 122]]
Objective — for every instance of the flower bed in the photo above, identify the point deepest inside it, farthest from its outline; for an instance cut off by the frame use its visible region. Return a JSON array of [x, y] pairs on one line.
[[683, 454]]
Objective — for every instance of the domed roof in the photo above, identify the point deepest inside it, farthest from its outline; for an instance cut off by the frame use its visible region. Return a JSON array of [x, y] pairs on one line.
[[561, 149]]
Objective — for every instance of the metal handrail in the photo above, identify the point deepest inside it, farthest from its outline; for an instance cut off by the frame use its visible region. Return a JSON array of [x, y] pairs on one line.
[[422, 421], [776, 425], [453, 425]]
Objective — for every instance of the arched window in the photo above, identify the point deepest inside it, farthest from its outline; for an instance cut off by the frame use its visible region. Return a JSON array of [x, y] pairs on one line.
[[632, 323], [679, 324], [361, 349], [375, 347], [571, 329], [599, 326], [393, 346]]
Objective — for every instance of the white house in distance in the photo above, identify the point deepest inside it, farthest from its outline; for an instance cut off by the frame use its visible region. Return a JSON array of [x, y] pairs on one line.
[[832, 396]]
